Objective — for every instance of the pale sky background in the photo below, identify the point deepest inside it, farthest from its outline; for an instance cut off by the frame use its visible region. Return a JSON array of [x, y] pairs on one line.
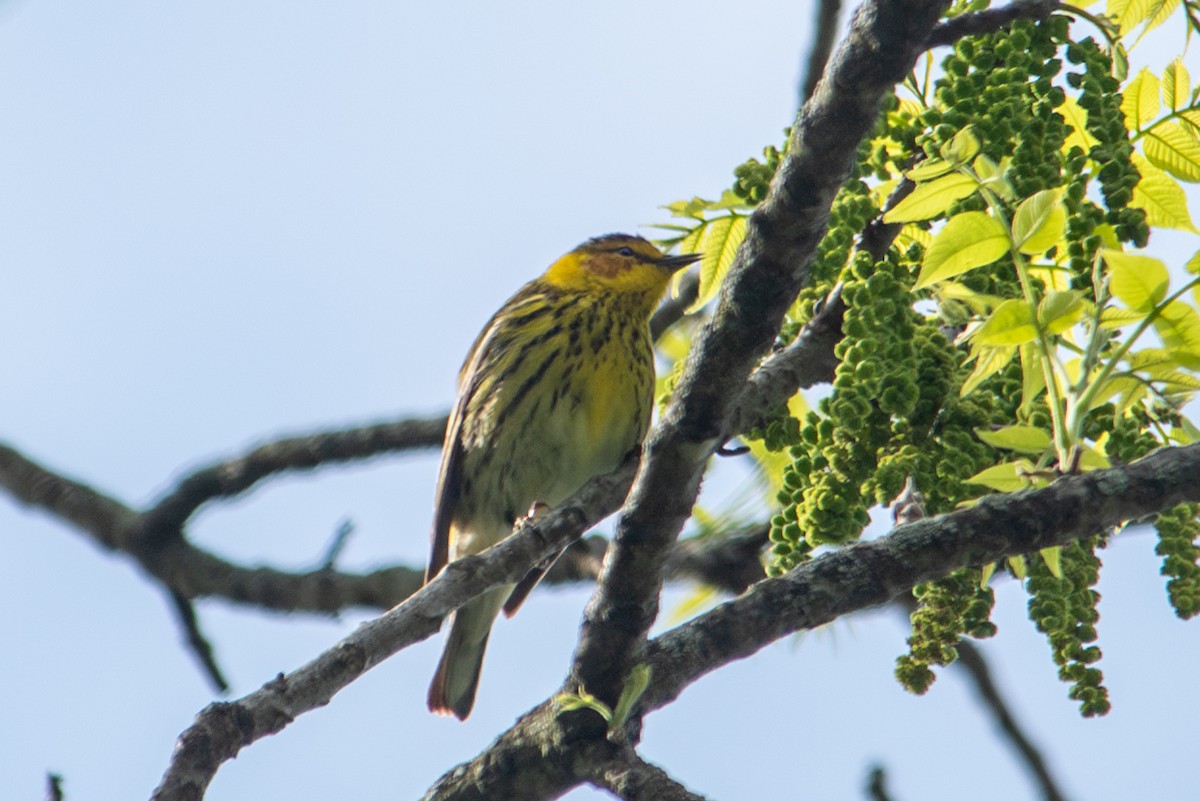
[[224, 221]]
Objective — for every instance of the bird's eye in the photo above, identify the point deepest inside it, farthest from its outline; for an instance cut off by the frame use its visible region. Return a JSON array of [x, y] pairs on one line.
[[625, 252]]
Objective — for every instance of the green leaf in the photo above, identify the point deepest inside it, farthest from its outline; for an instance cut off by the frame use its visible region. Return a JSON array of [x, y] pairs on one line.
[[968, 240], [985, 574], [1058, 311], [1176, 84], [728, 200], [635, 687], [569, 702], [722, 237], [1005, 477], [1171, 148], [930, 199], [1193, 264], [988, 362], [1012, 323], [1140, 282], [1140, 100], [1023, 439], [1163, 200], [1040, 222], [962, 147]]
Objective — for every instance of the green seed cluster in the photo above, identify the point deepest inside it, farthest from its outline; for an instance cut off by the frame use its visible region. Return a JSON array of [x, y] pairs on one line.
[[753, 177], [894, 413], [947, 610], [1099, 95], [1064, 609], [1179, 546], [1130, 435]]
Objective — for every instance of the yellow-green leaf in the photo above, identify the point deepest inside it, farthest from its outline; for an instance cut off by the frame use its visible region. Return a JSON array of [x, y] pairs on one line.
[[1005, 477], [1160, 12], [1093, 459], [988, 362], [1113, 317], [1164, 201], [1173, 149], [693, 208], [929, 169], [1076, 117], [968, 240], [1129, 13], [1040, 222], [1012, 323], [1193, 264], [1176, 84], [1033, 379], [1140, 282], [1023, 439], [1140, 100], [1053, 558], [721, 240], [1017, 565], [1186, 432], [930, 199], [962, 147], [1058, 311], [1178, 326], [985, 574]]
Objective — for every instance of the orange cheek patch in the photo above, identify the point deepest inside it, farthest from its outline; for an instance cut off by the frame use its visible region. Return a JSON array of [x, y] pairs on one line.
[[607, 266]]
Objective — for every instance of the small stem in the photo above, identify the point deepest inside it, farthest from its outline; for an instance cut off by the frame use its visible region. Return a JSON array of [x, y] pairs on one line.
[[1052, 371], [1111, 364]]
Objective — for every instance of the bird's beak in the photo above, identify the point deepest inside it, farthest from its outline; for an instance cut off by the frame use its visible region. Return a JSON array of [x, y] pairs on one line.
[[673, 263]]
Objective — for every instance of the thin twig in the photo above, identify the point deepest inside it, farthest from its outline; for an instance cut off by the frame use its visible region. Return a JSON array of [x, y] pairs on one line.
[[981, 677], [54, 789], [672, 309], [877, 784], [197, 642]]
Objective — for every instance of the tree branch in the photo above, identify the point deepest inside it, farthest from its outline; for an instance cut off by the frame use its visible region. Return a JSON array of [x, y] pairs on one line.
[[769, 269], [989, 21], [633, 779], [840, 582], [225, 479], [868, 574], [222, 730]]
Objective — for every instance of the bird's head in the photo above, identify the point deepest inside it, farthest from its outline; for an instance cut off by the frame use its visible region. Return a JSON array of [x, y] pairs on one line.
[[617, 263]]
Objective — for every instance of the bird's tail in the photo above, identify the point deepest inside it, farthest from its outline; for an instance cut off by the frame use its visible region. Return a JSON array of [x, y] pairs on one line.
[[457, 677]]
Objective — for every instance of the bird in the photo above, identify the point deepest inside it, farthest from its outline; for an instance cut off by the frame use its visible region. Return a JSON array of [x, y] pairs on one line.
[[557, 388]]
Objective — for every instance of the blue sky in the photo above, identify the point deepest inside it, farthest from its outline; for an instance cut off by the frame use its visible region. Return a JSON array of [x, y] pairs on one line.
[[224, 221]]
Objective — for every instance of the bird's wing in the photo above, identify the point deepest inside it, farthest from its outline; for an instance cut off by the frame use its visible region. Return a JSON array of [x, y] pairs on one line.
[[449, 484]]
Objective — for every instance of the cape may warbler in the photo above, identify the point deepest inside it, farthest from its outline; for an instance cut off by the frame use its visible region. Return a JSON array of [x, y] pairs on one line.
[[557, 388]]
